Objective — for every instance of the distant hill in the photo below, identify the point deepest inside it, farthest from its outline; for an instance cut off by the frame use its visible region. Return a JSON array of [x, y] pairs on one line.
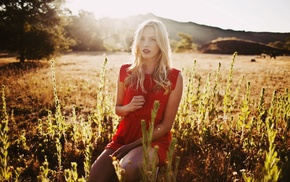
[[229, 46], [203, 35]]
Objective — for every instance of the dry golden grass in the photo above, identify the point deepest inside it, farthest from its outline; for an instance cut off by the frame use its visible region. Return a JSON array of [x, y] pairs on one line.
[[29, 87], [268, 73], [29, 93]]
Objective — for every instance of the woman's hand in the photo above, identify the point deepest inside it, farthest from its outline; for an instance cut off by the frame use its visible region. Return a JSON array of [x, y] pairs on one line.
[[122, 151], [137, 102]]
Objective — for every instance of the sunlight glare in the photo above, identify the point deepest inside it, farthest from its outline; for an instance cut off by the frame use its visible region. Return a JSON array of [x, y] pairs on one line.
[[109, 8], [227, 14]]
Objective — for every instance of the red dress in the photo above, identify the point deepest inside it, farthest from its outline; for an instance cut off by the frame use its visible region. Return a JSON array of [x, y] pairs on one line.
[[129, 129]]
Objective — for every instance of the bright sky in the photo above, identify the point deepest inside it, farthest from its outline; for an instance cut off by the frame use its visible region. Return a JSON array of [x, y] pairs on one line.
[[248, 15]]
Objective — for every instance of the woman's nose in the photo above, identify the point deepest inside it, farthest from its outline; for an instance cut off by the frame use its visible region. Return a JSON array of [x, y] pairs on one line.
[[145, 42]]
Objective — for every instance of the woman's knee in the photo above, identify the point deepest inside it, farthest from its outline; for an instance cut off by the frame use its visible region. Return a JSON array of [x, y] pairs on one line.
[[131, 163], [131, 172]]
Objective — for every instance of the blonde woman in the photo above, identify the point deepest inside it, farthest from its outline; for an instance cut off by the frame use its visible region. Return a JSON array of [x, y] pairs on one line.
[[148, 78]]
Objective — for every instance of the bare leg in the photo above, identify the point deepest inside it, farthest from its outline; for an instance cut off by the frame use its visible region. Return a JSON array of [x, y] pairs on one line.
[[102, 169], [132, 163]]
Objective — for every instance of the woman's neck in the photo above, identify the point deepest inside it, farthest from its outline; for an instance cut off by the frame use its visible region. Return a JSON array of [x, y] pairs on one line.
[[149, 67]]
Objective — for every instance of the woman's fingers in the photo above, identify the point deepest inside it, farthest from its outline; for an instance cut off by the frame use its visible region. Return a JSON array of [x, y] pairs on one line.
[[139, 99], [137, 102], [119, 153]]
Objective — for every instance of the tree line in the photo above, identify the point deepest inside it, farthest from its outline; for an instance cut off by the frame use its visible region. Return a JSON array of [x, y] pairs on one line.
[[38, 29], [41, 29]]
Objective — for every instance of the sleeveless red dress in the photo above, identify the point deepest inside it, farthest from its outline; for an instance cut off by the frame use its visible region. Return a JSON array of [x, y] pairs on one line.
[[129, 129]]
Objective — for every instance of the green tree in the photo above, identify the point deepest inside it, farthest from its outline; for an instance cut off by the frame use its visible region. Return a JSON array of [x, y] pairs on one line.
[[33, 29], [185, 43]]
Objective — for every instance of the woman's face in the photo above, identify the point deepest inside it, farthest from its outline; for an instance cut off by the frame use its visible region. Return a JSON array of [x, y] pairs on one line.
[[148, 44]]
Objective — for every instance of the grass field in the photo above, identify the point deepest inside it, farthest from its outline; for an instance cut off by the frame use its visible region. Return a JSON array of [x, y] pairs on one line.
[[224, 128]]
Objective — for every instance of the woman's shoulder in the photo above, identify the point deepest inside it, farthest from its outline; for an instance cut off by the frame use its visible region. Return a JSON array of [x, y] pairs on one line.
[[124, 71], [125, 66], [173, 75], [174, 72]]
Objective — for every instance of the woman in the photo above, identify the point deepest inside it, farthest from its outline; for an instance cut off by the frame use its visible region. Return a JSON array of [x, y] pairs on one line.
[[150, 77]]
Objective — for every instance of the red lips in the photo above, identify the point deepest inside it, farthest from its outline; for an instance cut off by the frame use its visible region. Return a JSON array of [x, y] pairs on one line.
[[146, 51]]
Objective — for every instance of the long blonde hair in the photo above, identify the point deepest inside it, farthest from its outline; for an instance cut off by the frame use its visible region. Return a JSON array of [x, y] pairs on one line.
[[160, 74]]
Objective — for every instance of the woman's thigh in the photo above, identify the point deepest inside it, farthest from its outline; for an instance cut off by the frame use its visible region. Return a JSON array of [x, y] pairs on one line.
[[102, 169]]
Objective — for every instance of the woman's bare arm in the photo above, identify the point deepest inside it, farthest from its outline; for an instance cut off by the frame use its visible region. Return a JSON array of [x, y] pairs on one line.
[[170, 110]]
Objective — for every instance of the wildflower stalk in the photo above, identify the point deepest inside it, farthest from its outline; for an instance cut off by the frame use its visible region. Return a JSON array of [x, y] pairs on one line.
[[216, 81], [286, 114], [227, 96], [149, 168], [271, 169], [75, 131], [171, 174], [261, 109], [204, 104], [71, 175], [189, 102], [284, 108], [103, 107], [5, 173], [44, 172], [59, 119], [58, 152], [212, 100], [245, 111], [87, 135], [236, 94]]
